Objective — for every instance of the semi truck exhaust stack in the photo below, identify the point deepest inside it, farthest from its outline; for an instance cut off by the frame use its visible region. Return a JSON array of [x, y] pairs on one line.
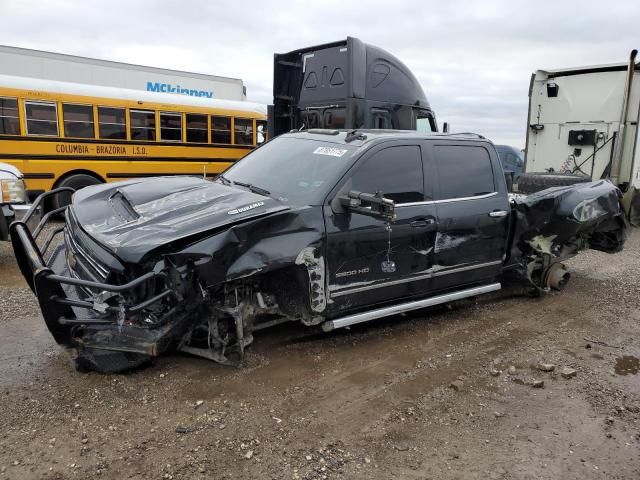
[[619, 147]]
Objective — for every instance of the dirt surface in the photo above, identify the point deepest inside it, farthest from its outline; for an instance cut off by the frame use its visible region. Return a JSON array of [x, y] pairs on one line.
[[446, 393]]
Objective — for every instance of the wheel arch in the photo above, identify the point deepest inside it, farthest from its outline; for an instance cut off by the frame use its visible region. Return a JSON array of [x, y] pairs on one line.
[[77, 171]]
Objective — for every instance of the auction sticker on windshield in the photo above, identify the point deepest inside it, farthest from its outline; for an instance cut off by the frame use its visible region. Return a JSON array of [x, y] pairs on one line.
[[333, 152]]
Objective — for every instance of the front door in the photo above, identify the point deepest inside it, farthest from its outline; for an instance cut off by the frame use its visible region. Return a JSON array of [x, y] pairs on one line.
[[371, 261]]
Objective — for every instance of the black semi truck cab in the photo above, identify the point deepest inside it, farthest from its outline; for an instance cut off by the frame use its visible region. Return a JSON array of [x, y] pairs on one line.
[[347, 84]]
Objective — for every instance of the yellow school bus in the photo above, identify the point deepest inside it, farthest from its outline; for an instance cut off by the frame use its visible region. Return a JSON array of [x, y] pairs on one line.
[[68, 134]]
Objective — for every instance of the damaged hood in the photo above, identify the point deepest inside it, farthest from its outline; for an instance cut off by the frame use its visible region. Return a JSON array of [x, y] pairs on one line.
[[132, 218]]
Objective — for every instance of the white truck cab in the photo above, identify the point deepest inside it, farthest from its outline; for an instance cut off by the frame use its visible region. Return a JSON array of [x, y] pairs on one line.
[[12, 198]]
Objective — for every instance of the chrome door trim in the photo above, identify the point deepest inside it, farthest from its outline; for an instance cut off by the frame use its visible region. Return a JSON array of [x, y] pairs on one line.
[[364, 288], [467, 267], [498, 214], [447, 200]]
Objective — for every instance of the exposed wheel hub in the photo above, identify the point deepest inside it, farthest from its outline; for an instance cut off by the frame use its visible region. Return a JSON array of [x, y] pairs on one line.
[[557, 276]]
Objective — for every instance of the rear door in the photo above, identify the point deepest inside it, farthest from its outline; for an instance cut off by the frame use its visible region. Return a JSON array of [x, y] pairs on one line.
[[473, 212]]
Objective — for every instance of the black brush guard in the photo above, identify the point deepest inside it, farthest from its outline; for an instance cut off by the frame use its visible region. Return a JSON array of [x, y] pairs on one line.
[[56, 306]]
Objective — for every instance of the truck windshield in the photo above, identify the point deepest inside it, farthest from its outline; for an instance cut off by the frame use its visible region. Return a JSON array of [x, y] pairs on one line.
[[295, 171]]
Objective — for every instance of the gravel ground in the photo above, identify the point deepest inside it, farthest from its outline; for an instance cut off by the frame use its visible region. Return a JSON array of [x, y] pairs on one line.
[[15, 299], [454, 392]]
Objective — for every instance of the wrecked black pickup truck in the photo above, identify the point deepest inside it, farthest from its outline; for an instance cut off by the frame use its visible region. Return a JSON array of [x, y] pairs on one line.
[[325, 227]]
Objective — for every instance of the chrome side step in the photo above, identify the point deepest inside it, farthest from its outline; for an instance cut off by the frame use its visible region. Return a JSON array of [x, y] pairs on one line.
[[406, 307]]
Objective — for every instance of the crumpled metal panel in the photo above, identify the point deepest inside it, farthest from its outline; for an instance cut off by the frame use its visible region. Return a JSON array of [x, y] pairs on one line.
[[133, 218], [257, 245], [588, 211]]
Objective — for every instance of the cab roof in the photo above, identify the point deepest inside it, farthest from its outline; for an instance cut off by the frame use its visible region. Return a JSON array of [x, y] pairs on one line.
[[364, 136]]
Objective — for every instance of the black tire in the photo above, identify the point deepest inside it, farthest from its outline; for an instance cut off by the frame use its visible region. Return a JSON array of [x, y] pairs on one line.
[[534, 182], [77, 181]]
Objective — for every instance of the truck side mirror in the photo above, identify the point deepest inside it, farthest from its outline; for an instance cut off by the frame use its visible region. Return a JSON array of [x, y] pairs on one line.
[[369, 204], [445, 127]]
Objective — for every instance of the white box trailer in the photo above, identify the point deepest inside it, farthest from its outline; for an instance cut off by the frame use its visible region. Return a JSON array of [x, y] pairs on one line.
[[23, 62], [582, 126]]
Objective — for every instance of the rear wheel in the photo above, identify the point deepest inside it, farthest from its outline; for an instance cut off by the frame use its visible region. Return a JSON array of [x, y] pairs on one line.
[[76, 181], [536, 181]]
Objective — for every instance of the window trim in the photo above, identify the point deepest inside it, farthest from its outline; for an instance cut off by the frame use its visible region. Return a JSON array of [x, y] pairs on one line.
[[231, 129], [156, 119], [96, 133], [253, 130], [26, 119], [207, 128], [126, 122], [437, 172], [367, 155], [172, 114], [332, 198], [17, 115], [349, 290], [447, 200], [93, 122]]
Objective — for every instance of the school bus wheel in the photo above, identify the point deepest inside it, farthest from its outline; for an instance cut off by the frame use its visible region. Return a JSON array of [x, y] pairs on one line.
[[75, 181]]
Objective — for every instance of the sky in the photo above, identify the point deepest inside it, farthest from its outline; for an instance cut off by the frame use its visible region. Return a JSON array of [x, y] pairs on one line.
[[474, 59]]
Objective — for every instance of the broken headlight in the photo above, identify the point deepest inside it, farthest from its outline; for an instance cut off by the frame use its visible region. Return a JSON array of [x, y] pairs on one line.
[[13, 191]]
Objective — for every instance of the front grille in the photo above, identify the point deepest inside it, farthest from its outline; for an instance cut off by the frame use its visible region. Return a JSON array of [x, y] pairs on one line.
[[84, 261], [81, 263]]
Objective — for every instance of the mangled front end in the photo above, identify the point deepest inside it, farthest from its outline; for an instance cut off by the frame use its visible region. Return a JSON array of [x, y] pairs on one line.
[[555, 224], [204, 294]]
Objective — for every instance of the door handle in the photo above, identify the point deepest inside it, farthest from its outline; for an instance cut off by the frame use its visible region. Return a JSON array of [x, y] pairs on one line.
[[498, 213], [422, 222]]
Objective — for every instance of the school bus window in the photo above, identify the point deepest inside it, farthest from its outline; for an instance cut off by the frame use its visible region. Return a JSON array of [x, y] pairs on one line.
[[78, 120], [42, 118], [171, 127], [112, 123], [244, 131], [196, 128], [143, 125], [220, 130], [9, 119], [261, 131]]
